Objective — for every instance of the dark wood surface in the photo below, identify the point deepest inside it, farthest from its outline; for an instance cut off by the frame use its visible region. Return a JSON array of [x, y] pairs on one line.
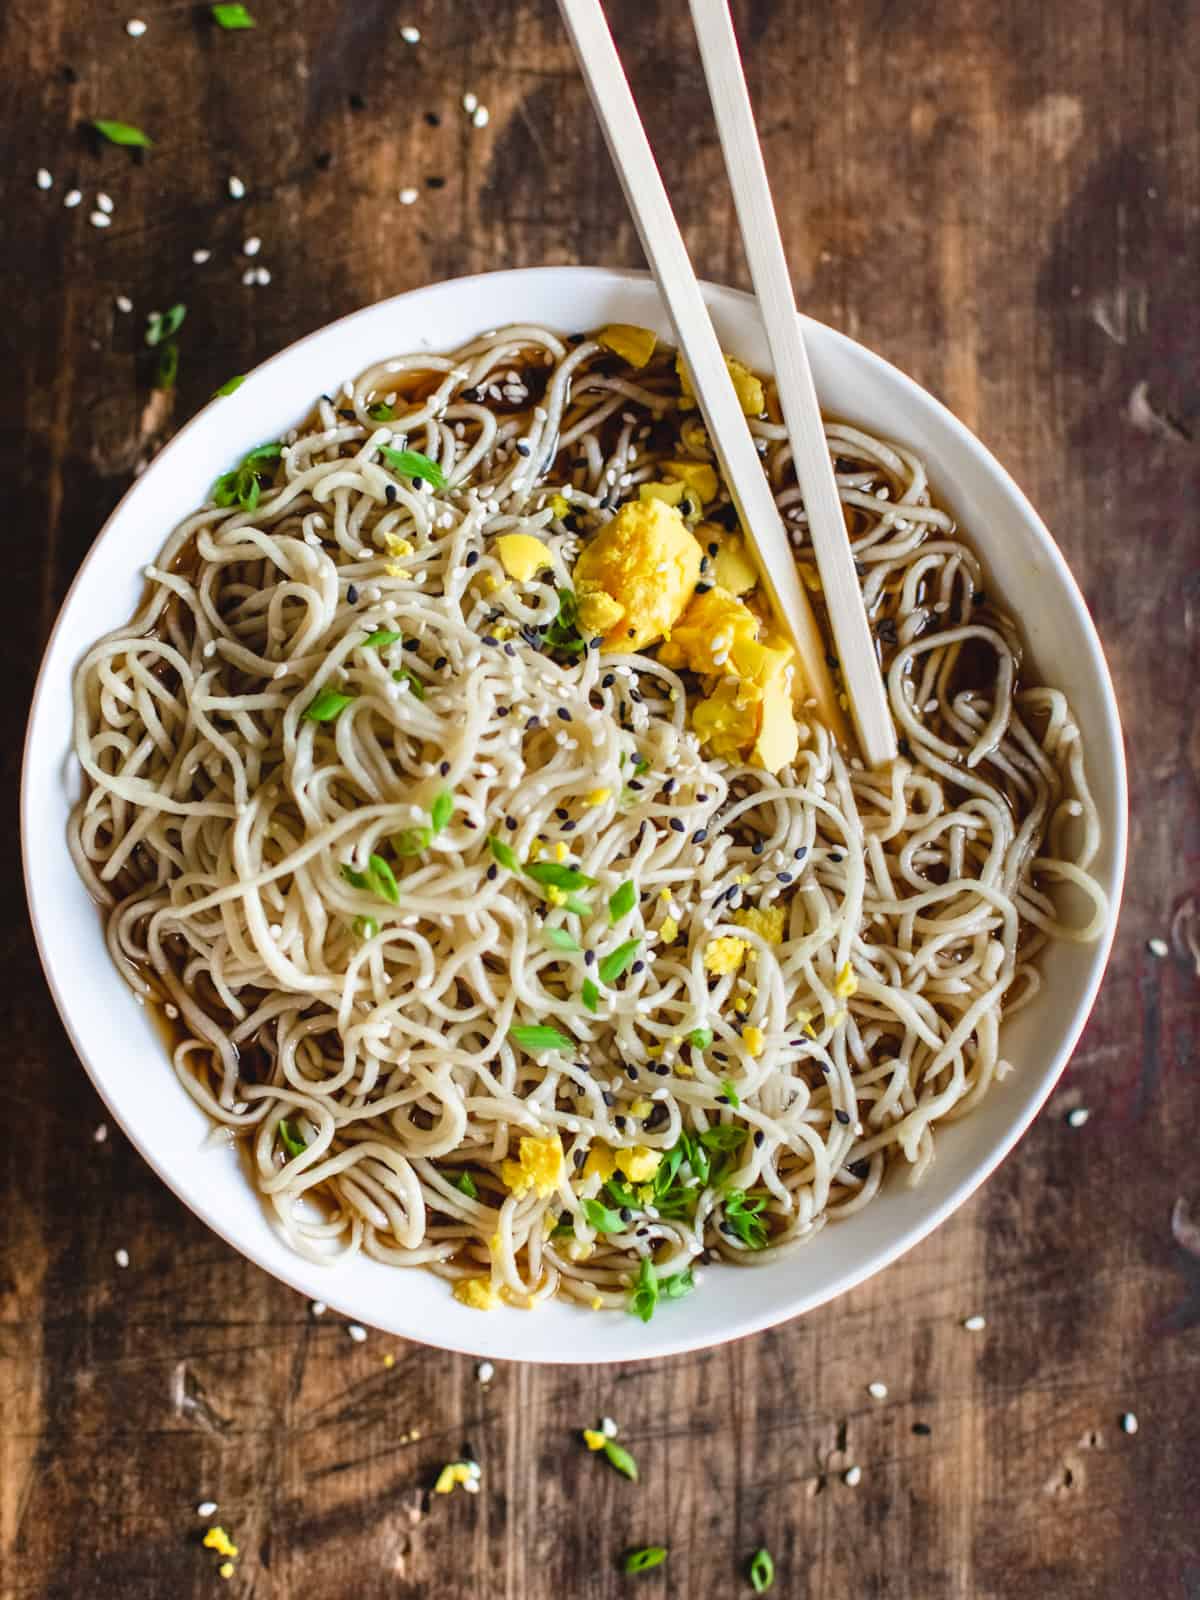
[[1003, 198]]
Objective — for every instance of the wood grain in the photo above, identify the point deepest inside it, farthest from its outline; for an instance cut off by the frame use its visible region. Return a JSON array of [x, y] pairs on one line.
[[1005, 200]]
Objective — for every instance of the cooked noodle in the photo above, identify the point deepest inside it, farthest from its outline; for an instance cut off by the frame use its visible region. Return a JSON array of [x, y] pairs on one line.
[[217, 821]]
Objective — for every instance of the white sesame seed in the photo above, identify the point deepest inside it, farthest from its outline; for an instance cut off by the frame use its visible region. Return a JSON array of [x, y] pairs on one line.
[[481, 116], [852, 1477], [100, 219], [262, 276], [101, 1133], [135, 27], [1129, 1423], [608, 1427], [975, 1324], [121, 1257], [469, 102], [1077, 1116], [357, 1332], [124, 303], [44, 180], [411, 35], [104, 202], [201, 256], [72, 198], [206, 1508], [248, 277], [485, 1372], [236, 188], [409, 197], [1158, 947], [877, 1391], [318, 1308], [252, 245]]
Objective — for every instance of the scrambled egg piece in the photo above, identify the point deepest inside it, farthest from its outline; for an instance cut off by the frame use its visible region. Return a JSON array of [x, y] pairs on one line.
[[600, 1163], [669, 930], [597, 797], [778, 739], [522, 556], [705, 635], [749, 388], [633, 344], [560, 505], [639, 1164], [640, 1108], [539, 1167], [645, 564], [397, 546], [480, 1294], [733, 565], [846, 983], [217, 1539], [725, 955], [699, 476], [672, 493], [752, 1038], [767, 923], [594, 1439]]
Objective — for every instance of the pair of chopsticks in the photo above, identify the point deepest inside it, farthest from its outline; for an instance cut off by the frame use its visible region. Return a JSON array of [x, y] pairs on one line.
[[739, 459]]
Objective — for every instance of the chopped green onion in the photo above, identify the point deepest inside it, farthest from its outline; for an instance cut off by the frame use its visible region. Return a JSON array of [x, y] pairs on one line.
[[503, 854], [441, 810], [560, 939], [590, 995], [411, 841], [413, 680], [366, 927], [696, 1156], [291, 1142], [616, 962], [123, 133], [620, 1458], [327, 706], [556, 876], [678, 1284], [563, 633], [229, 386], [466, 1183], [380, 638], [744, 1216], [534, 1038], [645, 1291], [762, 1571], [623, 901], [723, 1136], [377, 879], [232, 17], [412, 464], [166, 369], [700, 1038], [731, 1093], [162, 324], [602, 1217], [381, 412], [241, 486], [579, 907], [650, 1555]]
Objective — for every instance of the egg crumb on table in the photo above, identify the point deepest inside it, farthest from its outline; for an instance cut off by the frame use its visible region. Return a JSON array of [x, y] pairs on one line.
[[217, 1539]]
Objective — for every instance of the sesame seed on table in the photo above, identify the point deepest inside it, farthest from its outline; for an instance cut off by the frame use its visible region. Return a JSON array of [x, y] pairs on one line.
[[1001, 1413]]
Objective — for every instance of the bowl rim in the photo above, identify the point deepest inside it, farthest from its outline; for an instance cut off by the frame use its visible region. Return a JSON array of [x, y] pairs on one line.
[[294, 1269]]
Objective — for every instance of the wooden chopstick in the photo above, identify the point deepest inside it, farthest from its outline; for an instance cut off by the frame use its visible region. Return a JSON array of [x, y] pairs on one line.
[[854, 646], [719, 405]]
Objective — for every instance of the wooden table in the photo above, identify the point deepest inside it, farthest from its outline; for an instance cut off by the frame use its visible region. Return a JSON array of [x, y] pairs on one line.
[[1005, 200]]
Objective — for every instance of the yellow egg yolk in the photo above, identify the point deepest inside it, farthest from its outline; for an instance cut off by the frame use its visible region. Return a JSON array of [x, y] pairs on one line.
[[538, 1168], [647, 563]]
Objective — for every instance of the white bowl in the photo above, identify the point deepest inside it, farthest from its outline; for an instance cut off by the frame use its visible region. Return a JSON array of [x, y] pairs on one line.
[[125, 1056]]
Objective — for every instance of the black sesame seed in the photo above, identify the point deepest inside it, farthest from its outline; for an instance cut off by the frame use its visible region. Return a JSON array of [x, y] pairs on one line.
[[443, 768], [636, 696], [411, 645], [669, 786], [678, 824], [836, 855], [579, 1157], [799, 855], [576, 338], [713, 548], [432, 119], [435, 183], [522, 448], [859, 1169], [784, 877], [626, 1214], [843, 1117], [470, 395], [323, 160], [69, 75], [638, 966], [607, 681], [511, 824], [569, 827], [472, 556], [490, 638], [759, 1136], [703, 588], [699, 836], [491, 873], [440, 663], [635, 783], [608, 1098], [589, 958], [724, 1099], [390, 492], [619, 1121], [594, 644], [702, 797], [757, 847], [904, 747], [501, 711], [346, 411], [531, 723], [631, 1073], [561, 813], [922, 1430], [832, 662], [357, 103], [352, 594], [718, 1056], [563, 714], [796, 1044], [510, 650]]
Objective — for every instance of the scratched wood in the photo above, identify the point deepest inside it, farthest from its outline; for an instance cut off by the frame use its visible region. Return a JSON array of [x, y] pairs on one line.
[[1003, 198]]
